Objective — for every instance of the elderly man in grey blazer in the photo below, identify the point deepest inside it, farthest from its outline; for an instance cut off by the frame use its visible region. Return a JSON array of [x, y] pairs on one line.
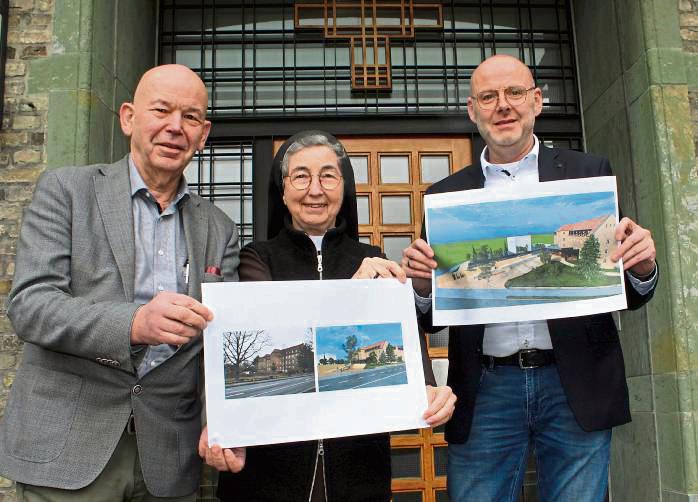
[[106, 404]]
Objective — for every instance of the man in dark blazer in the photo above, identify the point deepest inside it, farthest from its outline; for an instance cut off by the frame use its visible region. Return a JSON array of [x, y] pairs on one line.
[[556, 386], [106, 404]]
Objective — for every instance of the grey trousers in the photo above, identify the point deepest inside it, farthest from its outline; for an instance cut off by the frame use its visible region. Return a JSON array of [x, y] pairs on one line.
[[121, 480]]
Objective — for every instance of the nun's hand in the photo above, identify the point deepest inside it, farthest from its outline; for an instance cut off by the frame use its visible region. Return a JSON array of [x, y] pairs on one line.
[[222, 459], [375, 268], [442, 403]]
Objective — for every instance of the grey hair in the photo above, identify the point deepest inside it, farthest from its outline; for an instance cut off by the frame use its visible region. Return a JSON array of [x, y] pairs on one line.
[[308, 141]]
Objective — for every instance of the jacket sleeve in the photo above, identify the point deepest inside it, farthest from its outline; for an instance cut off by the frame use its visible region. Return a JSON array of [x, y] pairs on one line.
[[41, 304], [252, 267]]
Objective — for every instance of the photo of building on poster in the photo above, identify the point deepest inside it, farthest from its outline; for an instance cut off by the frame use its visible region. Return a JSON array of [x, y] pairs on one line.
[[330, 351], [527, 251], [268, 362], [360, 356]]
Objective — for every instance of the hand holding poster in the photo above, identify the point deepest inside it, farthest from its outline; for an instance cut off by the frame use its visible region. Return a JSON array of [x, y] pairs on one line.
[[299, 360], [522, 255]]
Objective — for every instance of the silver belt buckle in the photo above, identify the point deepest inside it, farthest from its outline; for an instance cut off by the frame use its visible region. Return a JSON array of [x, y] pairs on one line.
[[521, 363]]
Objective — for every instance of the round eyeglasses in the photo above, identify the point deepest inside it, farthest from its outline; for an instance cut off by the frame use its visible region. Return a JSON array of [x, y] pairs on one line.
[[514, 95], [300, 180]]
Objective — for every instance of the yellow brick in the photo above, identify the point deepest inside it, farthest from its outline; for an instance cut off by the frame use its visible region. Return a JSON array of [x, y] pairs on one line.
[[22, 174], [14, 87], [15, 69], [22, 4], [27, 157], [29, 37], [14, 138], [26, 122], [39, 102], [687, 34], [5, 287], [7, 361], [8, 379], [689, 19], [44, 5]]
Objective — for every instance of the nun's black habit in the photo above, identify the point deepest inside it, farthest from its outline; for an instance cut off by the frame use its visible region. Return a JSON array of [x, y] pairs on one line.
[[355, 468]]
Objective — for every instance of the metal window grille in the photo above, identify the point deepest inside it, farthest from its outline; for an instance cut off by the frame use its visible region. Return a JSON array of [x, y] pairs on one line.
[[222, 173], [256, 63]]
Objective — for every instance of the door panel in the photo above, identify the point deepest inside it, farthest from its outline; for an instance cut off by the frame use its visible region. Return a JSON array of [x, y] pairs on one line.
[[392, 175]]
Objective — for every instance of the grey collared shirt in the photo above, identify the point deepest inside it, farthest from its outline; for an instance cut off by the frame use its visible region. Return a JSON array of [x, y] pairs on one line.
[[161, 254]]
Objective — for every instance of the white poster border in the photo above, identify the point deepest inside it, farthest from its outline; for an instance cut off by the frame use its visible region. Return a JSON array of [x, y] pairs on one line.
[[532, 312], [299, 417]]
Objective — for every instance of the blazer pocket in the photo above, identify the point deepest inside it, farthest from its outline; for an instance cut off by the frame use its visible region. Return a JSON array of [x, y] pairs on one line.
[[41, 412], [212, 277]]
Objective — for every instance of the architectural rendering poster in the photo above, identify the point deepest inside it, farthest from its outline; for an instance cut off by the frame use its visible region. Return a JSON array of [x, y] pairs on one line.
[[298, 360], [521, 255]]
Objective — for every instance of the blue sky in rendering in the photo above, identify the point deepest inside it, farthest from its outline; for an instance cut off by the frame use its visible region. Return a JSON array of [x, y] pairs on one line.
[[538, 215], [330, 338]]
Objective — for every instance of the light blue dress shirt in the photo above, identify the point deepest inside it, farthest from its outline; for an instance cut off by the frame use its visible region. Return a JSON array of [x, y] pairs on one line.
[[161, 254]]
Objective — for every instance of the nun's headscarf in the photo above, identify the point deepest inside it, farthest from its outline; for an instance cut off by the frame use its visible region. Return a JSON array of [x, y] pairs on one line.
[[278, 211]]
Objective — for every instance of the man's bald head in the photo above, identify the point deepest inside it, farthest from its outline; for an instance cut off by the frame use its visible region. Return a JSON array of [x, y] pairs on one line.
[[180, 74], [498, 65], [506, 124], [166, 122]]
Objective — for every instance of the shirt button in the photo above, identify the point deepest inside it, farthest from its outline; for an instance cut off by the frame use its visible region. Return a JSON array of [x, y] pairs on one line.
[[137, 389], [160, 252], [160, 288]]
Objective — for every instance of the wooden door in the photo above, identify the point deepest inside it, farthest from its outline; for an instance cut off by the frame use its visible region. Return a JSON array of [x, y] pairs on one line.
[[392, 174]]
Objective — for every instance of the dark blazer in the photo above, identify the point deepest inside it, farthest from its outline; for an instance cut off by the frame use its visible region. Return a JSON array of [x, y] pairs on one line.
[[72, 305], [587, 349]]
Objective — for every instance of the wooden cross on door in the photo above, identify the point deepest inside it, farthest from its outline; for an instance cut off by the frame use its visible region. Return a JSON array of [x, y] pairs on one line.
[[369, 25]]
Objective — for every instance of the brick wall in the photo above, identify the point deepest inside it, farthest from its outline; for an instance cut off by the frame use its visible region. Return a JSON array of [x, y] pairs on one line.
[[22, 158], [688, 10]]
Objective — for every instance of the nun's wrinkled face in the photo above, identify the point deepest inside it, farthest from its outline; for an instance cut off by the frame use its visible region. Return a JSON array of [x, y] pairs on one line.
[[313, 189]]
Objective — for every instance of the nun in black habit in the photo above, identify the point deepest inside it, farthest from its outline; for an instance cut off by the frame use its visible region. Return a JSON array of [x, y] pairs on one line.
[[313, 233]]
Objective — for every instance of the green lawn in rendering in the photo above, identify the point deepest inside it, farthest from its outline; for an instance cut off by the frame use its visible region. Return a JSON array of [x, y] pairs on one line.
[[548, 239], [557, 275], [455, 253]]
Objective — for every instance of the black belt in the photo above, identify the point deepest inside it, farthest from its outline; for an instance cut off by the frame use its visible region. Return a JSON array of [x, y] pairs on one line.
[[524, 359]]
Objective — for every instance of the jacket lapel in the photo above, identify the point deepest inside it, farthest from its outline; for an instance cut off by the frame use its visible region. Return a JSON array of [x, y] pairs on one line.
[[196, 234], [113, 193], [475, 177], [550, 168]]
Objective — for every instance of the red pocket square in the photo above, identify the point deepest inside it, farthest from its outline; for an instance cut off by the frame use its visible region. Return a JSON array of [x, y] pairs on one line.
[[213, 270]]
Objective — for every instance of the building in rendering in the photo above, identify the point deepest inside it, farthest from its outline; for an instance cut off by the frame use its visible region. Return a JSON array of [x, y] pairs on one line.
[[571, 238]]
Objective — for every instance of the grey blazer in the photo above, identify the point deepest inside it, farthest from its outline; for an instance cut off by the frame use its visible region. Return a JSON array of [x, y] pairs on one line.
[[72, 304]]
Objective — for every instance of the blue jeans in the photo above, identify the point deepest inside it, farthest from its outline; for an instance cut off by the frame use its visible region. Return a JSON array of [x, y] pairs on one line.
[[516, 409]]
